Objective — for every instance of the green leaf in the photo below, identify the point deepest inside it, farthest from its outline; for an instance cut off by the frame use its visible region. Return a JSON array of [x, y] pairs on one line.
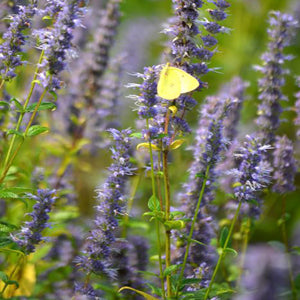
[[296, 250], [189, 281], [11, 282], [223, 236], [153, 203], [178, 224], [18, 104], [176, 213], [13, 131], [3, 276], [43, 106], [36, 130], [230, 250], [145, 295], [154, 289], [176, 144], [4, 241], [297, 282], [7, 194], [4, 103], [171, 269], [36, 81], [54, 95], [47, 18], [197, 242], [7, 227], [138, 135]]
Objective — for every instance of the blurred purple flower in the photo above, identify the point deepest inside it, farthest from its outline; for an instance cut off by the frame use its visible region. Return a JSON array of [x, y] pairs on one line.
[[56, 41], [280, 31], [14, 39], [266, 274], [31, 233], [96, 257], [285, 166]]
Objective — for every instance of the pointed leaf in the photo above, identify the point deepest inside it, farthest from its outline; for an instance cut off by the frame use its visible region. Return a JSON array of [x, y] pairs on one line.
[[176, 144], [18, 104], [13, 131], [153, 203], [37, 129], [223, 236], [146, 146], [42, 106]]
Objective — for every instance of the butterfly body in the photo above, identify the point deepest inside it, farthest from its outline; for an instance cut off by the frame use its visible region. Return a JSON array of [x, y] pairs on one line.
[[173, 82]]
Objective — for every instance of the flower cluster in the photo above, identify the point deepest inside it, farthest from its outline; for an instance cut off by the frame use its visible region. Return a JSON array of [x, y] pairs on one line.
[[96, 257], [14, 40], [56, 42], [187, 53], [280, 32], [285, 166], [269, 280], [253, 173], [207, 153], [31, 233], [104, 37]]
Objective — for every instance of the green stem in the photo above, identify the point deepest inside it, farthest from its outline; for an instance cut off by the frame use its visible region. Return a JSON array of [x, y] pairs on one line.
[[35, 111], [286, 244], [12, 274], [192, 230], [136, 183], [167, 215], [1, 84], [223, 251], [156, 221], [11, 145], [9, 162], [244, 249]]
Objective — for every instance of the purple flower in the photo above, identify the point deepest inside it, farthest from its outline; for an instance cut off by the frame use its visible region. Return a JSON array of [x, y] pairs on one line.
[[31, 233], [111, 201], [207, 154], [285, 166], [253, 173], [56, 41], [280, 32], [266, 275], [14, 40]]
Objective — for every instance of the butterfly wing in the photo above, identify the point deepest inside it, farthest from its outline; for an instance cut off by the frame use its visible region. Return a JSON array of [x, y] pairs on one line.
[[169, 84], [188, 82]]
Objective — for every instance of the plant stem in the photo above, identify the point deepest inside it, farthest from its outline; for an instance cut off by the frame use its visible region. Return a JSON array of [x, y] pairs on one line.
[[192, 230], [136, 183], [223, 251], [167, 216], [1, 84], [156, 221], [8, 163], [35, 111], [12, 274], [11, 145], [244, 248], [286, 244]]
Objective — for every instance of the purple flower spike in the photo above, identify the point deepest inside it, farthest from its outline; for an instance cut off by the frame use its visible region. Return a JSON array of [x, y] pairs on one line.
[[281, 30], [14, 39], [31, 233], [96, 257], [285, 166]]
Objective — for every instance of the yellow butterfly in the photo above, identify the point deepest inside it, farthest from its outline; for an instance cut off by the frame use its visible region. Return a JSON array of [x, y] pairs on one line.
[[173, 82]]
